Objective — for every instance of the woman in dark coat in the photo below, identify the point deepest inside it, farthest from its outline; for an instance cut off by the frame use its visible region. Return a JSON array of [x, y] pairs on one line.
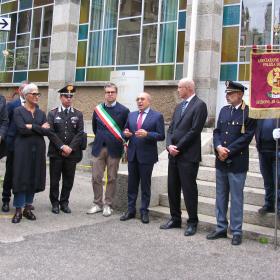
[[29, 154]]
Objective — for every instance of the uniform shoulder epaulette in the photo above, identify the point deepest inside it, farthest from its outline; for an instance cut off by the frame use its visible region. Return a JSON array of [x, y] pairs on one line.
[[56, 108]]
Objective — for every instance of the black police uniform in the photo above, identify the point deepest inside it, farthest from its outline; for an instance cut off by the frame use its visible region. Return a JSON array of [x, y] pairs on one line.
[[67, 129]]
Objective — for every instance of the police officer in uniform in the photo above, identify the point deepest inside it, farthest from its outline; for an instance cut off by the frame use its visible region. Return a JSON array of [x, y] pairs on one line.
[[231, 139], [65, 150]]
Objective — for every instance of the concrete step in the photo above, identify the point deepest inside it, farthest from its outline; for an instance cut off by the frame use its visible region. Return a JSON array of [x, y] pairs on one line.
[[253, 196], [206, 206], [209, 161], [253, 152], [253, 180], [208, 223]]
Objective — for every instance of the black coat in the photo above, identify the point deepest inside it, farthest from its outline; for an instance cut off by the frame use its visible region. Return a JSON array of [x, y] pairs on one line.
[[184, 131], [4, 122], [30, 151], [66, 130]]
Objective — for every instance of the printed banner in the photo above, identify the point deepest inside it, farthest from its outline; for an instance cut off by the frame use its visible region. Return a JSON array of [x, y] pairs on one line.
[[265, 85]]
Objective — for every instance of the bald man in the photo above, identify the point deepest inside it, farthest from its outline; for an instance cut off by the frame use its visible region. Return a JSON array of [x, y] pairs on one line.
[[143, 129], [184, 148]]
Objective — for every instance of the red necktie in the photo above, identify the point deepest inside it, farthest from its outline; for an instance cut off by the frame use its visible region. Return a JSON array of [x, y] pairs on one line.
[[139, 122]]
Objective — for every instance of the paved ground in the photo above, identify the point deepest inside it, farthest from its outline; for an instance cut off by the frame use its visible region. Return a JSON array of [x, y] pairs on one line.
[[80, 246]]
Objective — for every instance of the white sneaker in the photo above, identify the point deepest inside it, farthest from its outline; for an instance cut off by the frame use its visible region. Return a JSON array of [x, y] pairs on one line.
[[94, 209], [107, 211]]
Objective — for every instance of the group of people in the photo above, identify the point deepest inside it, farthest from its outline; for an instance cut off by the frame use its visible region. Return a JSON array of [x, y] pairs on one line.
[[116, 130]]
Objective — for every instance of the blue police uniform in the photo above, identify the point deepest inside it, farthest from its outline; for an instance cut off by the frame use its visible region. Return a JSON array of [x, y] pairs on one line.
[[231, 173]]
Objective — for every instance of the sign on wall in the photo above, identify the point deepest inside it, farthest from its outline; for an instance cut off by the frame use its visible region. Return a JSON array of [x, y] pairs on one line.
[[5, 24]]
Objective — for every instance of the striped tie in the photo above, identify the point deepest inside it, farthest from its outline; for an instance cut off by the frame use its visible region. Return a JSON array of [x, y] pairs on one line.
[[184, 106]]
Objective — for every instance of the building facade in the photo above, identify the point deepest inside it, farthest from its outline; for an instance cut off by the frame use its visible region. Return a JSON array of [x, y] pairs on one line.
[[82, 41]]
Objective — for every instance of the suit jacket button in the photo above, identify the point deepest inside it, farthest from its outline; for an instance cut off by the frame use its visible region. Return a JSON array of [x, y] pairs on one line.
[[225, 142]]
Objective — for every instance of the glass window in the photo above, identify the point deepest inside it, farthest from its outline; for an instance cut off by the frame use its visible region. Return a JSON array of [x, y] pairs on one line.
[[158, 72], [47, 23], [167, 42], [149, 44], [42, 2], [128, 50], [111, 14], [169, 10], [19, 77], [180, 46], [276, 23], [129, 26], [96, 15], [34, 54], [12, 33], [80, 75], [83, 32], [22, 58], [25, 4], [99, 74], [36, 25], [38, 76], [84, 11], [24, 21], [244, 72], [23, 40], [231, 15], [228, 72], [230, 44], [231, 2], [81, 55], [151, 11], [130, 8], [109, 46], [94, 48], [45, 52], [182, 20]]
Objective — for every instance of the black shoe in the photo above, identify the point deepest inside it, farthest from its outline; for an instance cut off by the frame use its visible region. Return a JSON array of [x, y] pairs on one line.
[[145, 218], [190, 230], [236, 239], [32, 207], [5, 207], [216, 235], [17, 217], [55, 209], [171, 224], [266, 209], [65, 208], [127, 216], [27, 213]]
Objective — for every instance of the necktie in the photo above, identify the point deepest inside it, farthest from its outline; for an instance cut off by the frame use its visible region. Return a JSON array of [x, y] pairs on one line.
[[184, 106], [233, 109], [139, 121], [66, 112]]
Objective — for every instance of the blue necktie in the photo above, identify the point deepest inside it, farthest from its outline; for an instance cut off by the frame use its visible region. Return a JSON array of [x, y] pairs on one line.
[[184, 106]]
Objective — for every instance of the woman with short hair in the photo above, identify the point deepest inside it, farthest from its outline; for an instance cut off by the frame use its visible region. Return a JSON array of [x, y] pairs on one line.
[[29, 154]]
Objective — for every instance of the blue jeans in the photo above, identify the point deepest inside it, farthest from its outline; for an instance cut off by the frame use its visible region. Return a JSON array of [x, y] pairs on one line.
[[23, 198], [268, 170], [234, 183]]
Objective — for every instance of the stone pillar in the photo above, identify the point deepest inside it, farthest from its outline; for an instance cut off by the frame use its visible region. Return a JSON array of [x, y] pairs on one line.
[[63, 51], [207, 51]]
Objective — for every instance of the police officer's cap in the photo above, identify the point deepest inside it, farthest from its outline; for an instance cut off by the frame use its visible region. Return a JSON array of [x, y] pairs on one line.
[[67, 90], [234, 87]]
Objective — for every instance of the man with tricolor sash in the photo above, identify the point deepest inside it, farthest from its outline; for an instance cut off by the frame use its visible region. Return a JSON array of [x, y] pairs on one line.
[[108, 121]]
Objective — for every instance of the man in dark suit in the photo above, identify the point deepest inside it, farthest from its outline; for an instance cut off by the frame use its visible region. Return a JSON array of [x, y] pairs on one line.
[[65, 148], [184, 148], [4, 121], [108, 121], [9, 141], [231, 139], [266, 146], [143, 129]]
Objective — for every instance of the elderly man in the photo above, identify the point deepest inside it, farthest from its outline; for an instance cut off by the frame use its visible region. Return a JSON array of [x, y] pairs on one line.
[[143, 129], [9, 140], [184, 148], [231, 140], [67, 127], [108, 121]]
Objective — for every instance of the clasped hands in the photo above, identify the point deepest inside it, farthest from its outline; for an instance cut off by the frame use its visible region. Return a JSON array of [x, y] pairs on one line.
[[140, 133], [173, 150], [223, 153], [44, 125], [66, 150]]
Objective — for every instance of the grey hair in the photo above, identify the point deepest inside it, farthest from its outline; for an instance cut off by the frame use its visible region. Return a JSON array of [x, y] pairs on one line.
[[29, 88], [111, 85]]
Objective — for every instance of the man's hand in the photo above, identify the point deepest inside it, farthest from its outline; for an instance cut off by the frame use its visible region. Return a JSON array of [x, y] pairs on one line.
[[172, 149], [127, 133], [45, 125], [223, 153], [141, 133], [66, 150], [28, 126]]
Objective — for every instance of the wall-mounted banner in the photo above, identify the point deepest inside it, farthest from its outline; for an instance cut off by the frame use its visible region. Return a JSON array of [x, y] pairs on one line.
[[265, 85]]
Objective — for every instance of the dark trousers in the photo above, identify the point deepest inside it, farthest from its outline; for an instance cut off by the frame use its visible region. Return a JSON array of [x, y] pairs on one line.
[[182, 176], [8, 179], [268, 170], [139, 172], [66, 168]]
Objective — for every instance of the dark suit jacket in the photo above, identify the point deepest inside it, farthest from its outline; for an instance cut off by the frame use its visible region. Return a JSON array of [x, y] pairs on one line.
[[185, 131], [145, 149], [103, 137], [4, 122]]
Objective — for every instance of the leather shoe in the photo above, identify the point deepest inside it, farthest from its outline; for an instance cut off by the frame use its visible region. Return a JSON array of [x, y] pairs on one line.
[[27, 213], [65, 208], [171, 224], [190, 230], [55, 209], [5, 207], [236, 239], [266, 209], [145, 218], [127, 216], [17, 217], [216, 235]]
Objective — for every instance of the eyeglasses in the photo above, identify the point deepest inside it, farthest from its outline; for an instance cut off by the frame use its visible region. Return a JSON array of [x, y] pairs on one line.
[[67, 95], [140, 99], [110, 92], [35, 94]]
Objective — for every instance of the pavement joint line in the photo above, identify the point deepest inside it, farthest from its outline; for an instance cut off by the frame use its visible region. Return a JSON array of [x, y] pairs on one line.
[[4, 216]]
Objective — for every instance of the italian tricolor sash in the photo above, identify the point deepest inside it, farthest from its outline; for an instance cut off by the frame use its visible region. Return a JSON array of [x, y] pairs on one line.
[[109, 122]]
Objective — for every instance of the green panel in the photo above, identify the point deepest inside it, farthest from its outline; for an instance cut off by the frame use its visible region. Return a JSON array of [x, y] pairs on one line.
[[244, 72], [99, 74], [38, 76], [81, 56], [230, 44], [228, 72], [6, 77], [19, 77], [231, 15], [80, 75], [180, 46], [25, 4], [83, 32], [159, 72], [84, 11], [9, 7]]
